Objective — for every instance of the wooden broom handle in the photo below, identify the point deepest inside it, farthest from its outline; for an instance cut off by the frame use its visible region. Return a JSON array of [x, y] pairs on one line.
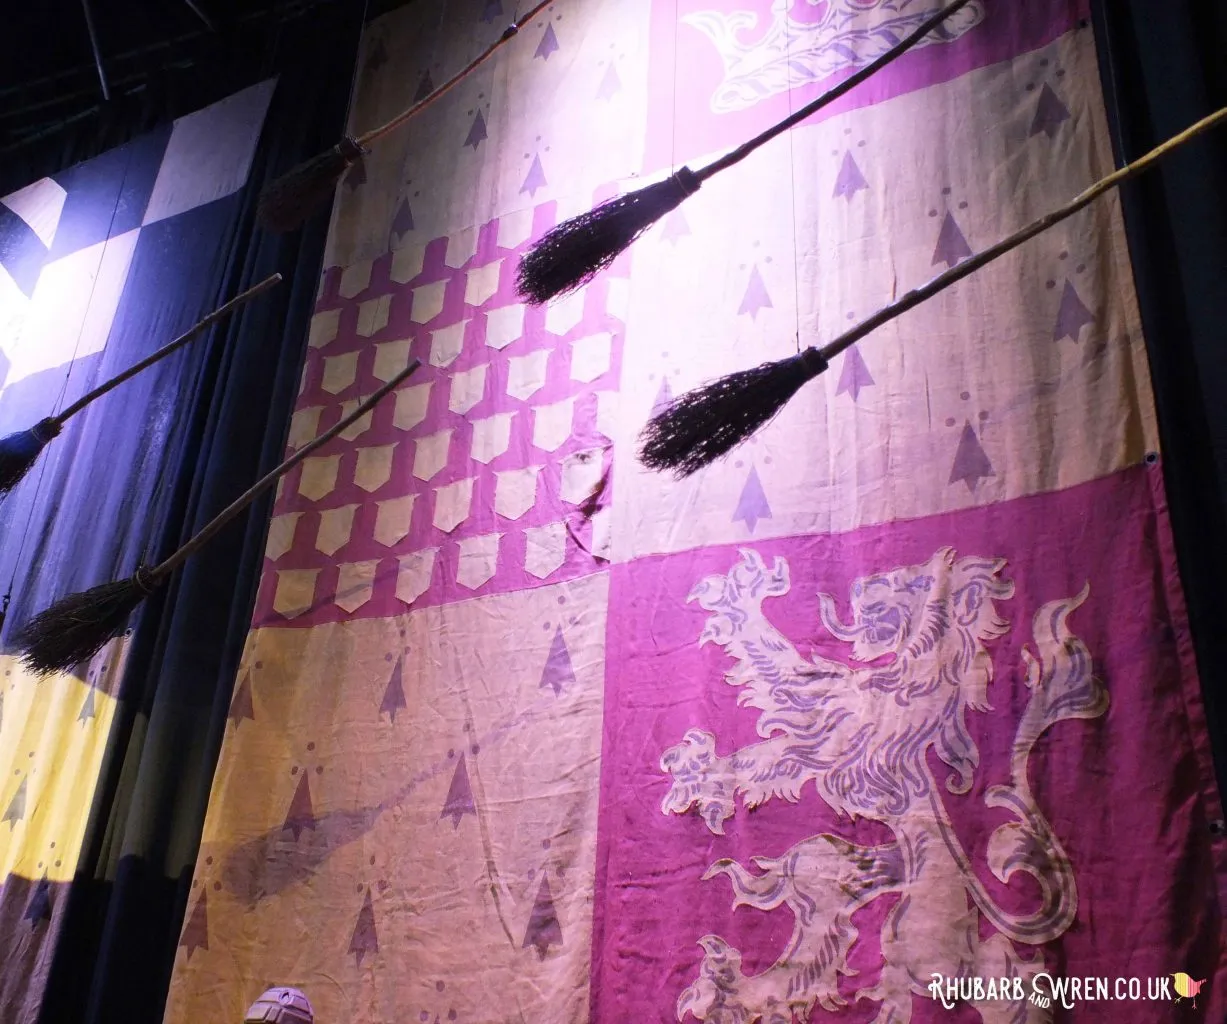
[[364, 141], [974, 263], [264, 483], [829, 97], [165, 350]]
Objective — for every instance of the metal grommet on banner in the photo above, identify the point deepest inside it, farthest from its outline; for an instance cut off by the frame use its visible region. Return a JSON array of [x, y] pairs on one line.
[[1218, 827], [1152, 458]]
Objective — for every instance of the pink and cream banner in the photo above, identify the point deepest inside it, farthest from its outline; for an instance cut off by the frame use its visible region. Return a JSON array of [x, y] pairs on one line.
[[896, 701]]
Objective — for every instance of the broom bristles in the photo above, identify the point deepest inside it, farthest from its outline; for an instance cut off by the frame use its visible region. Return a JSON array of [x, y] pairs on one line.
[[19, 451], [571, 254], [710, 421], [292, 198], [77, 627]]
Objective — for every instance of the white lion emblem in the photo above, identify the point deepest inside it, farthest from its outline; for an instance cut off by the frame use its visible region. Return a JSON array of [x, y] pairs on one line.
[[862, 736], [838, 34]]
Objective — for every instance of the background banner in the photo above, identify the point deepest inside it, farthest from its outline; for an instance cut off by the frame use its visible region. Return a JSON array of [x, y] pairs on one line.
[[485, 761]]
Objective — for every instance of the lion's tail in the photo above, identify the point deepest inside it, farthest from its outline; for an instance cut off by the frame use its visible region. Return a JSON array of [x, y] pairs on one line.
[[1063, 686], [1061, 680]]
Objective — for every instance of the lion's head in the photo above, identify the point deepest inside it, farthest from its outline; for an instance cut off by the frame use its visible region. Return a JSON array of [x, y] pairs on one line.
[[934, 618]]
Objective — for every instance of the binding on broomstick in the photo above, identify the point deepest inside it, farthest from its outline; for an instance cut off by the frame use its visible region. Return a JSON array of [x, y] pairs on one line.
[[290, 200], [707, 423], [573, 253], [76, 627], [19, 451]]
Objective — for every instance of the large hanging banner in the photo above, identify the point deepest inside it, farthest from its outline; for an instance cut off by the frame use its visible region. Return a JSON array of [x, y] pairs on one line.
[[100, 265], [890, 716]]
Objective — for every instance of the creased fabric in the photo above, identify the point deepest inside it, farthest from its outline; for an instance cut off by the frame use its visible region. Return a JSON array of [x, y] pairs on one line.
[[523, 730]]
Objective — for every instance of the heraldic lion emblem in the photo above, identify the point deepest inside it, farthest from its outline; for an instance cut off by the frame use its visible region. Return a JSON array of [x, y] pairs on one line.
[[862, 735]]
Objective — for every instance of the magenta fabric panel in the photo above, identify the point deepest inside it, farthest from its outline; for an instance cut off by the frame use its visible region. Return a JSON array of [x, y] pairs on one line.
[[488, 477], [1069, 603]]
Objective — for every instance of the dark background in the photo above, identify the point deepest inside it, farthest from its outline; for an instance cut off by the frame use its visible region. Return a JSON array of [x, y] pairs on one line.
[[161, 59], [1162, 68], [117, 924]]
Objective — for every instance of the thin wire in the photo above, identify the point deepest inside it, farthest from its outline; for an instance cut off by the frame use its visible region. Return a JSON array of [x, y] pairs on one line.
[[436, 46], [673, 98], [430, 61], [25, 533], [274, 49], [792, 175], [358, 55]]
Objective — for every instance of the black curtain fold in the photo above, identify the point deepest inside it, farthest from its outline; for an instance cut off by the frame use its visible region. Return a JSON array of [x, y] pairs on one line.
[[1162, 68], [126, 906]]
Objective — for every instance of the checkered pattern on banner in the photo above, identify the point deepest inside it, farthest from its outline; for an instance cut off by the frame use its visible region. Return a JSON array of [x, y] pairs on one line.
[[488, 471]]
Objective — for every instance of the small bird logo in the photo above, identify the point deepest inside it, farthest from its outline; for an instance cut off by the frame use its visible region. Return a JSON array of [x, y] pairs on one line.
[[1186, 987]]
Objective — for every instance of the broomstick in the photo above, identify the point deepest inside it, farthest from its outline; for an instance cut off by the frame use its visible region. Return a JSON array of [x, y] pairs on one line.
[[19, 451], [704, 424], [290, 199], [571, 254], [76, 627]]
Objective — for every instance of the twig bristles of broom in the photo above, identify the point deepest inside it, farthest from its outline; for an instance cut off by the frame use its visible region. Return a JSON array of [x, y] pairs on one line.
[[574, 252], [76, 627], [19, 451], [290, 200], [710, 421]]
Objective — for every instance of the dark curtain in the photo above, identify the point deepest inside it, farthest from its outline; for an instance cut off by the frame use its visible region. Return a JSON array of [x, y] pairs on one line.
[[1163, 68], [125, 908]]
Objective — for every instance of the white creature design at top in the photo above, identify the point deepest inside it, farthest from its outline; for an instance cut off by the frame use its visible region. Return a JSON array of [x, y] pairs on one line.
[[796, 52]]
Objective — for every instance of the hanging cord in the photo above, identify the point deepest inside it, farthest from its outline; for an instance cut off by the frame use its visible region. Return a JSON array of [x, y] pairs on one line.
[[792, 188], [38, 484], [375, 134], [436, 49], [358, 55], [673, 98], [289, 200], [358, 149]]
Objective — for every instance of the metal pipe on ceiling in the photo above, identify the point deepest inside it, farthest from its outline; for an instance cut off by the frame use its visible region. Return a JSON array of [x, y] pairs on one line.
[[196, 10], [93, 42], [278, 10]]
